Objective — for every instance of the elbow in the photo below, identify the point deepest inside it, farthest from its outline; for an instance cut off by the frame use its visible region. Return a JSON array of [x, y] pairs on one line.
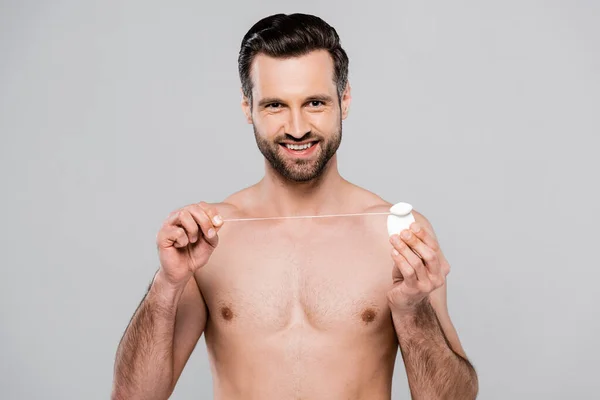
[[475, 387], [117, 393], [127, 395], [470, 380], [464, 385], [125, 392], [465, 390], [131, 385], [472, 385], [121, 392], [118, 390]]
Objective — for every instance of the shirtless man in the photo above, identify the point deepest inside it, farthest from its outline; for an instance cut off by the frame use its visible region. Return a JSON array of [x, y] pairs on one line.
[[295, 308]]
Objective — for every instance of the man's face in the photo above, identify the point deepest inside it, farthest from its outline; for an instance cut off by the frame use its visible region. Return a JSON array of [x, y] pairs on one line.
[[296, 114]]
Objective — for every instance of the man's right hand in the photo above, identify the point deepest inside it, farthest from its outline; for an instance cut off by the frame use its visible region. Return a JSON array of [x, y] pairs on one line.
[[186, 241]]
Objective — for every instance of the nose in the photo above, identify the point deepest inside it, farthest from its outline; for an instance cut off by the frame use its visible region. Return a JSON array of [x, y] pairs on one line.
[[297, 125]]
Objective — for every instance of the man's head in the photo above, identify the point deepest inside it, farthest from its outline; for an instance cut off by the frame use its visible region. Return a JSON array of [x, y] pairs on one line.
[[294, 76]]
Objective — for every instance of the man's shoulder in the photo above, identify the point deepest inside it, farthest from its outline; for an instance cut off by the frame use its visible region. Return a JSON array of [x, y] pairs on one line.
[[371, 202], [234, 204], [365, 200], [374, 203]]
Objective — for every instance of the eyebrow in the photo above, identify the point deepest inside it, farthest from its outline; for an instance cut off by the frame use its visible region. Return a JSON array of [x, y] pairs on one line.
[[269, 100], [325, 98]]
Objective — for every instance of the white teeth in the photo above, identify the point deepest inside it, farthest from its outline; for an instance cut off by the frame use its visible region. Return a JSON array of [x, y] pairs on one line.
[[298, 147]]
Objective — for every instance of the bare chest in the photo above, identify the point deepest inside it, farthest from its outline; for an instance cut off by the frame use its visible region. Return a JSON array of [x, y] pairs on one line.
[[334, 280]]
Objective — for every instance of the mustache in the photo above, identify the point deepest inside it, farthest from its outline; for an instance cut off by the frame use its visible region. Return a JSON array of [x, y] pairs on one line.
[[308, 136]]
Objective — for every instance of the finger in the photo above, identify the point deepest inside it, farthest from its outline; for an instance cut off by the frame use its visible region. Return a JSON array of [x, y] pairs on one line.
[[415, 261], [429, 256], [208, 229], [173, 236], [213, 214], [181, 238], [187, 222], [410, 278], [425, 236], [165, 236]]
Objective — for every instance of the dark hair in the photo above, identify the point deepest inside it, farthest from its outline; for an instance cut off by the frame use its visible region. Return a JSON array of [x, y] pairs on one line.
[[291, 35]]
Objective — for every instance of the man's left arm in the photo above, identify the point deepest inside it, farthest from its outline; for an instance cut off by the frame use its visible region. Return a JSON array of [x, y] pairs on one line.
[[436, 364]]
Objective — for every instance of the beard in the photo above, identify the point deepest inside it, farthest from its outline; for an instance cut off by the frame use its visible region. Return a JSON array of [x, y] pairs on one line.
[[299, 170]]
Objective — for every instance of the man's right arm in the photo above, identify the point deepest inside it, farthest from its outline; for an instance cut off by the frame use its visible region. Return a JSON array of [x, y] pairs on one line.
[[158, 341]]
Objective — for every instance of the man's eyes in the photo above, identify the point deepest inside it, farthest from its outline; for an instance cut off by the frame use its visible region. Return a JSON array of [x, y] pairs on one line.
[[312, 103]]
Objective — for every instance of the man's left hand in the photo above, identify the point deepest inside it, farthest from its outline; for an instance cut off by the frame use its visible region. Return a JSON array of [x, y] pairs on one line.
[[415, 276]]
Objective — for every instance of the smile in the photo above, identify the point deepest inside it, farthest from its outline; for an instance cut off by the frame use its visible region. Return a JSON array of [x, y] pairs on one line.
[[299, 146], [300, 150]]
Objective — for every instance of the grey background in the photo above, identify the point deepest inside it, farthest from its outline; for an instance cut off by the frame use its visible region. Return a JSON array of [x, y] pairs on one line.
[[483, 115]]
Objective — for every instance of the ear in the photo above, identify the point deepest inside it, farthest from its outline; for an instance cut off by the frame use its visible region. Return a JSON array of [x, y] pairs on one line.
[[246, 107], [346, 100]]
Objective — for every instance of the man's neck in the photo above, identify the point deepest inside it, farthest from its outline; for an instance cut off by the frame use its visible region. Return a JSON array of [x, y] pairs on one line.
[[323, 195]]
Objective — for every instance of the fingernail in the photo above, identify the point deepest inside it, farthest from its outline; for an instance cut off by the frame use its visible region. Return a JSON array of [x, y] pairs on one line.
[[217, 219], [211, 233], [416, 228], [396, 253], [406, 235]]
